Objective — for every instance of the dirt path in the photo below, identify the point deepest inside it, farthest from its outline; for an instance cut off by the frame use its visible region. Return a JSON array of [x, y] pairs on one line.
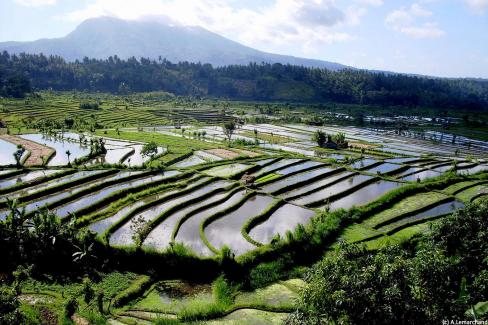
[[37, 150]]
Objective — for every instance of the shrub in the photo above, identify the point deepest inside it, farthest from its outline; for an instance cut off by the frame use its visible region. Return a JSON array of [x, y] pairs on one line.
[[70, 307], [440, 277]]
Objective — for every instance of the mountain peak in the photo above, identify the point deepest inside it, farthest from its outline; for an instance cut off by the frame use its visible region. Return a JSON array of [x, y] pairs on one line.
[[153, 37]]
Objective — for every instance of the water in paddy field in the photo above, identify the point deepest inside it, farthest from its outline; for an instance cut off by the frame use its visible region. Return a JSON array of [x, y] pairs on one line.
[[189, 232], [439, 210], [84, 201], [473, 170], [285, 218], [61, 146], [315, 185], [297, 178], [227, 229], [363, 163], [7, 150], [102, 225], [364, 195], [274, 166], [226, 170], [332, 190], [190, 161], [298, 167], [383, 168], [421, 175], [160, 237], [54, 182], [123, 236], [400, 160], [30, 176]]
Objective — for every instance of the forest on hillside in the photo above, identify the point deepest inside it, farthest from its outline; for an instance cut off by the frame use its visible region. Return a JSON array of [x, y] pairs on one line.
[[261, 82]]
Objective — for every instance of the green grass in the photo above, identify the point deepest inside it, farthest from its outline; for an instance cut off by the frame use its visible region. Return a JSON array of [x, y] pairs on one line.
[[177, 146], [267, 178], [471, 192]]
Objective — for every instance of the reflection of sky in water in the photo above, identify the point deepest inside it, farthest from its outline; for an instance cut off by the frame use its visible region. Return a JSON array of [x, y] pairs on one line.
[[7, 150], [61, 146], [80, 203], [285, 218], [364, 195], [227, 230], [439, 210], [189, 232], [316, 185], [295, 179], [27, 177], [333, 189], [160, 237]]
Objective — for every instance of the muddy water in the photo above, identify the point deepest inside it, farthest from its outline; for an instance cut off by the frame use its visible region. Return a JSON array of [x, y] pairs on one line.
[[227, 230], [189, 232], [315, 185], [364, 195], [331, 190], [295, 179], [285, 218]]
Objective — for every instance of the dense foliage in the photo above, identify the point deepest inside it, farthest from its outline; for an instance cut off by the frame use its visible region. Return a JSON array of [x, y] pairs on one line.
[[251, 82], [45, 242], [442, 277]]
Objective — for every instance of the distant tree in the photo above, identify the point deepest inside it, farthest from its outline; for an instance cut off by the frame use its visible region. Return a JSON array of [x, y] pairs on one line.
[[340, 138], [229, 129], [149, 149], [69, 122], [320, 137], [18, 154], [68, 153]]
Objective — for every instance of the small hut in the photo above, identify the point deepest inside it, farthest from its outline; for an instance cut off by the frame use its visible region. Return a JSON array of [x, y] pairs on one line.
[[248, 179]]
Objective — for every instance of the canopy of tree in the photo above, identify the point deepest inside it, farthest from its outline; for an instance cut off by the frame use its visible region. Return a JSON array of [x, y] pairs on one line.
[[441, 277], [251, 82]]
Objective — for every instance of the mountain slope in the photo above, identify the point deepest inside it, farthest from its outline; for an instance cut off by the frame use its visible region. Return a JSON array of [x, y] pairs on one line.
[[103, 37]]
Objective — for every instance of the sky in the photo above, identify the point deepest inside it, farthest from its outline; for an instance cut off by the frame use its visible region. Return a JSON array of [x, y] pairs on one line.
[[446, 38]]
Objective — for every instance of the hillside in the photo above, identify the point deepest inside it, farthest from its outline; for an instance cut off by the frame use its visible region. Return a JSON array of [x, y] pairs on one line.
[[103, 37], [253, 82]]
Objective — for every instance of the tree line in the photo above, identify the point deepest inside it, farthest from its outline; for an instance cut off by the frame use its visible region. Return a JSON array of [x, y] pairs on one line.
[[251, 82]]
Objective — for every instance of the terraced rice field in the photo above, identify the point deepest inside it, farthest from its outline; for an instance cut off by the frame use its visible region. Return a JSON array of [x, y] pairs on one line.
[[207, 208]]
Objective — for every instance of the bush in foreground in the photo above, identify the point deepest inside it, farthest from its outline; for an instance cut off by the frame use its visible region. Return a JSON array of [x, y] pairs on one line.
[[441, 277]]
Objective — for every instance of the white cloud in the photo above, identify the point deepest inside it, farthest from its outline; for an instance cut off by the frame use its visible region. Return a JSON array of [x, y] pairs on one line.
[[305, 22], [478, 6], [374, 3], [405, 20], [427, 30], [35, 3]]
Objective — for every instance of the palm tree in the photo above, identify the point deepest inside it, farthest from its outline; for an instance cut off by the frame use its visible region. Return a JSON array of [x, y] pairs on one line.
[[68, 153]]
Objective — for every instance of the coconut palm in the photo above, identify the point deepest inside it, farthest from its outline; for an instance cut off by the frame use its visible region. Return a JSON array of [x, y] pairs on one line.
[[68, 153]]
